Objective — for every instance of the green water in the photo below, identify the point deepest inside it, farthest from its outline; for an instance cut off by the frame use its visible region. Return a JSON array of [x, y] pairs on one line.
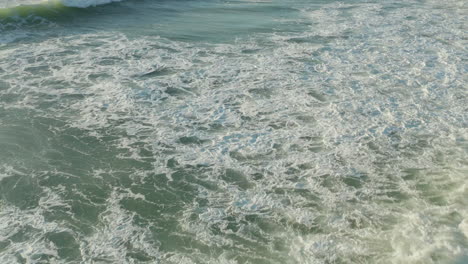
[[217, 131]]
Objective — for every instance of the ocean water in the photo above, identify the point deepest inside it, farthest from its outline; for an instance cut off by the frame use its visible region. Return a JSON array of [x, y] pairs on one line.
[[244, 131]]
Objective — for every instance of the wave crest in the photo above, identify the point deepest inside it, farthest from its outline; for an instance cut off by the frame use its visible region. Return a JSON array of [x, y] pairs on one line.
[[5, 4]]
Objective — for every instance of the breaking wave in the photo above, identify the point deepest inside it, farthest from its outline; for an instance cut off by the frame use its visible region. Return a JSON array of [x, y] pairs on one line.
[[7, 4]]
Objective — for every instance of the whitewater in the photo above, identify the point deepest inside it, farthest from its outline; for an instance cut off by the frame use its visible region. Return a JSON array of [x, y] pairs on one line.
[[216, 131]]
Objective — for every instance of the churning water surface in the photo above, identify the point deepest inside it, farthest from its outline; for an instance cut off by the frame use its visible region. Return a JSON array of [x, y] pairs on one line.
[[217, 131]]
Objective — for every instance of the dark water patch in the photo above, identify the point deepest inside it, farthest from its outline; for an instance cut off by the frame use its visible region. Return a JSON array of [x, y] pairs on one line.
[[236, 178], [67, 246], [188, 140], [21, 191], [4, 85], [156, 73]]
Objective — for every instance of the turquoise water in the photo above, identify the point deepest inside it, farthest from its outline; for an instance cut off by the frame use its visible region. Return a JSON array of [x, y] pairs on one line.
[[211, 131]]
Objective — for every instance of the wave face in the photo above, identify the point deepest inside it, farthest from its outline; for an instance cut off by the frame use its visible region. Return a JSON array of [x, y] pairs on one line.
[[69, 3], [232, 132], [86, 3]]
